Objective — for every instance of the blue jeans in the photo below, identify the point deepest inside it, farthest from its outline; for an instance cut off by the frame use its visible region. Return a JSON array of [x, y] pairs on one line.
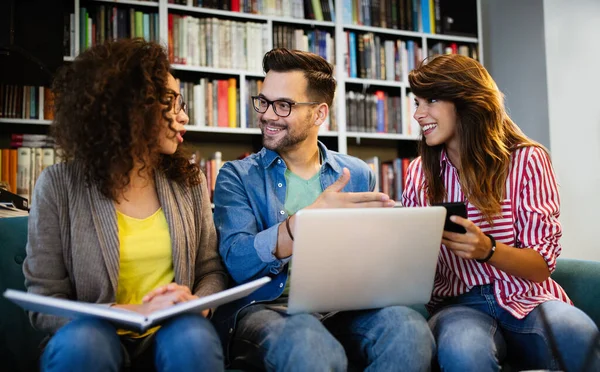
[[185, 343], [392, 338], [473, 333]]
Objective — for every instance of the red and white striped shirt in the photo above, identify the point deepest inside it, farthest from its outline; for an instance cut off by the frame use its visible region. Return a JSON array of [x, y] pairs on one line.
[[529, 219]]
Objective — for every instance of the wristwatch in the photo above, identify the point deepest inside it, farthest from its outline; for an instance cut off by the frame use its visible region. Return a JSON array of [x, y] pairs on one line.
[[486, 259]]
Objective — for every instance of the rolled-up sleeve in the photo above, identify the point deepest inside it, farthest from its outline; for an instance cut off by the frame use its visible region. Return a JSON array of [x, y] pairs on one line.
[[537, 222]]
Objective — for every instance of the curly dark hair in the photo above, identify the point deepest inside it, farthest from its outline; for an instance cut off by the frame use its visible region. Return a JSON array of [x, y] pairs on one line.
[[108, 104]]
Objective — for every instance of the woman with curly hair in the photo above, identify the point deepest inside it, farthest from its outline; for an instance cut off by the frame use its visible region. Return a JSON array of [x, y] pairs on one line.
[[126, 220], [493, 295]]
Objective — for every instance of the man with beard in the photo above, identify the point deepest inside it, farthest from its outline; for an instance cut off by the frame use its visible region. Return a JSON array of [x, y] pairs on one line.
[[255, 201]]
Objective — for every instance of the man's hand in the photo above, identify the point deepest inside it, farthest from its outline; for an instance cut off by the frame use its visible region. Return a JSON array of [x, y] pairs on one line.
[[333, 197]]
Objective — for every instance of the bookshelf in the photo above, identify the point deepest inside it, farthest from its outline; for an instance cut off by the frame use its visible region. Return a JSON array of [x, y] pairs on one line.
[[368, 82], [26, 121]]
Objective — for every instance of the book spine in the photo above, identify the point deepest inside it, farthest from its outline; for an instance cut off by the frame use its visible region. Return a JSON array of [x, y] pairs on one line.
[[232, 103], [23, 172]]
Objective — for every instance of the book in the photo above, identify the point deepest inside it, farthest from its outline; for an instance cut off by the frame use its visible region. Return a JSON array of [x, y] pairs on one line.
[[24, 171], [124, 318], [12, 200], [7, 211], [373, 163]]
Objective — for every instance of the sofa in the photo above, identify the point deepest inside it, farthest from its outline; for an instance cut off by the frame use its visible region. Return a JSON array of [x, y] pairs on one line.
[[19, 341]]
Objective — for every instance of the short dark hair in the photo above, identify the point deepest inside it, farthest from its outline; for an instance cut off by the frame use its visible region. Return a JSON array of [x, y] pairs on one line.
[[317, 71]]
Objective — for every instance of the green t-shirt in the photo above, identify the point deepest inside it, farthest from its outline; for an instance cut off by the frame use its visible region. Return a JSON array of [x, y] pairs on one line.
[[300, 193]]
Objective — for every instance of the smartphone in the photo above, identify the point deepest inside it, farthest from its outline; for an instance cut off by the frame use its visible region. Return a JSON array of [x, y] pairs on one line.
[[454, 209]]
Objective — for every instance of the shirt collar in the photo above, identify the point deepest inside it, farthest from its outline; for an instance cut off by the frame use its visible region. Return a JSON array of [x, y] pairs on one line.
[[444, 161], [269, 157]]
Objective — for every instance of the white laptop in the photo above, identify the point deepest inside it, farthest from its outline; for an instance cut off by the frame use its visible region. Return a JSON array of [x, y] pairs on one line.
[[364, 258]]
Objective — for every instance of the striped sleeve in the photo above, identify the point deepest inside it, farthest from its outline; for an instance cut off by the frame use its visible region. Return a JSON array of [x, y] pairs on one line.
[[537, 221]]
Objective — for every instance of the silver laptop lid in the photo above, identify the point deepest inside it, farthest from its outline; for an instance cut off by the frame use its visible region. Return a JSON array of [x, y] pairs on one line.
[[351, 259]]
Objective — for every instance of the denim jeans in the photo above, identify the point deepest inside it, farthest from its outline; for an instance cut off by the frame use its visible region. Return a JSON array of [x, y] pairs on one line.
[[389, 339], [473, 333], [185, 343]]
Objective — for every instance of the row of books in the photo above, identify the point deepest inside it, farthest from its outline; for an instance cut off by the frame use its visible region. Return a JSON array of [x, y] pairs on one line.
[[22, 164], [443, 47], [26, 102], [410, 15], [380, 112], [210, 167], [100, 23], [390, 175], [428, 16], [212, 103], [371, 57], [253, 87], [217, 43], [316, 41], [376, 112], [319, 10]]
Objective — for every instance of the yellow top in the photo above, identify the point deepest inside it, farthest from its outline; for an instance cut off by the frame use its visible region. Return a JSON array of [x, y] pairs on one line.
[[145, 258]]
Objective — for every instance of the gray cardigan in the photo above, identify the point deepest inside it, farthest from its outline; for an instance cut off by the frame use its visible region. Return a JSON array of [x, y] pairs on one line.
[[73, 244]]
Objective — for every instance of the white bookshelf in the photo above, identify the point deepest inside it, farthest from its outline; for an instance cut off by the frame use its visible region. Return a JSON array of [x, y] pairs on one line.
[[151, 4], [217, 71], [25, 121], [381, 30], [382, 136], [224, 130], [248, 16], [458, 39], [380, 83], [337, 28], [242, 131]]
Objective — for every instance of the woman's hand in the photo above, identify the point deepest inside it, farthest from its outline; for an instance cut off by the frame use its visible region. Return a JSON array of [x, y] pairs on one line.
[[525, 263], [473, 244], [172, 291], [162, 298], [170, 294]]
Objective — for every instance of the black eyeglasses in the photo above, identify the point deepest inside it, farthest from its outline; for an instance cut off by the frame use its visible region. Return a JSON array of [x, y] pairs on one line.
[[281, 108], [179, 103]]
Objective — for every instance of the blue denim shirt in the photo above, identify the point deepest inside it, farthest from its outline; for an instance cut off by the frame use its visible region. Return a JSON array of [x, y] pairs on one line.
[[249, 206]]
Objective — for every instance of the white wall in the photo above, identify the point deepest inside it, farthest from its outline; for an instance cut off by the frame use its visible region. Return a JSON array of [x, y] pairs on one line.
[[515, 56], [573, 77]]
